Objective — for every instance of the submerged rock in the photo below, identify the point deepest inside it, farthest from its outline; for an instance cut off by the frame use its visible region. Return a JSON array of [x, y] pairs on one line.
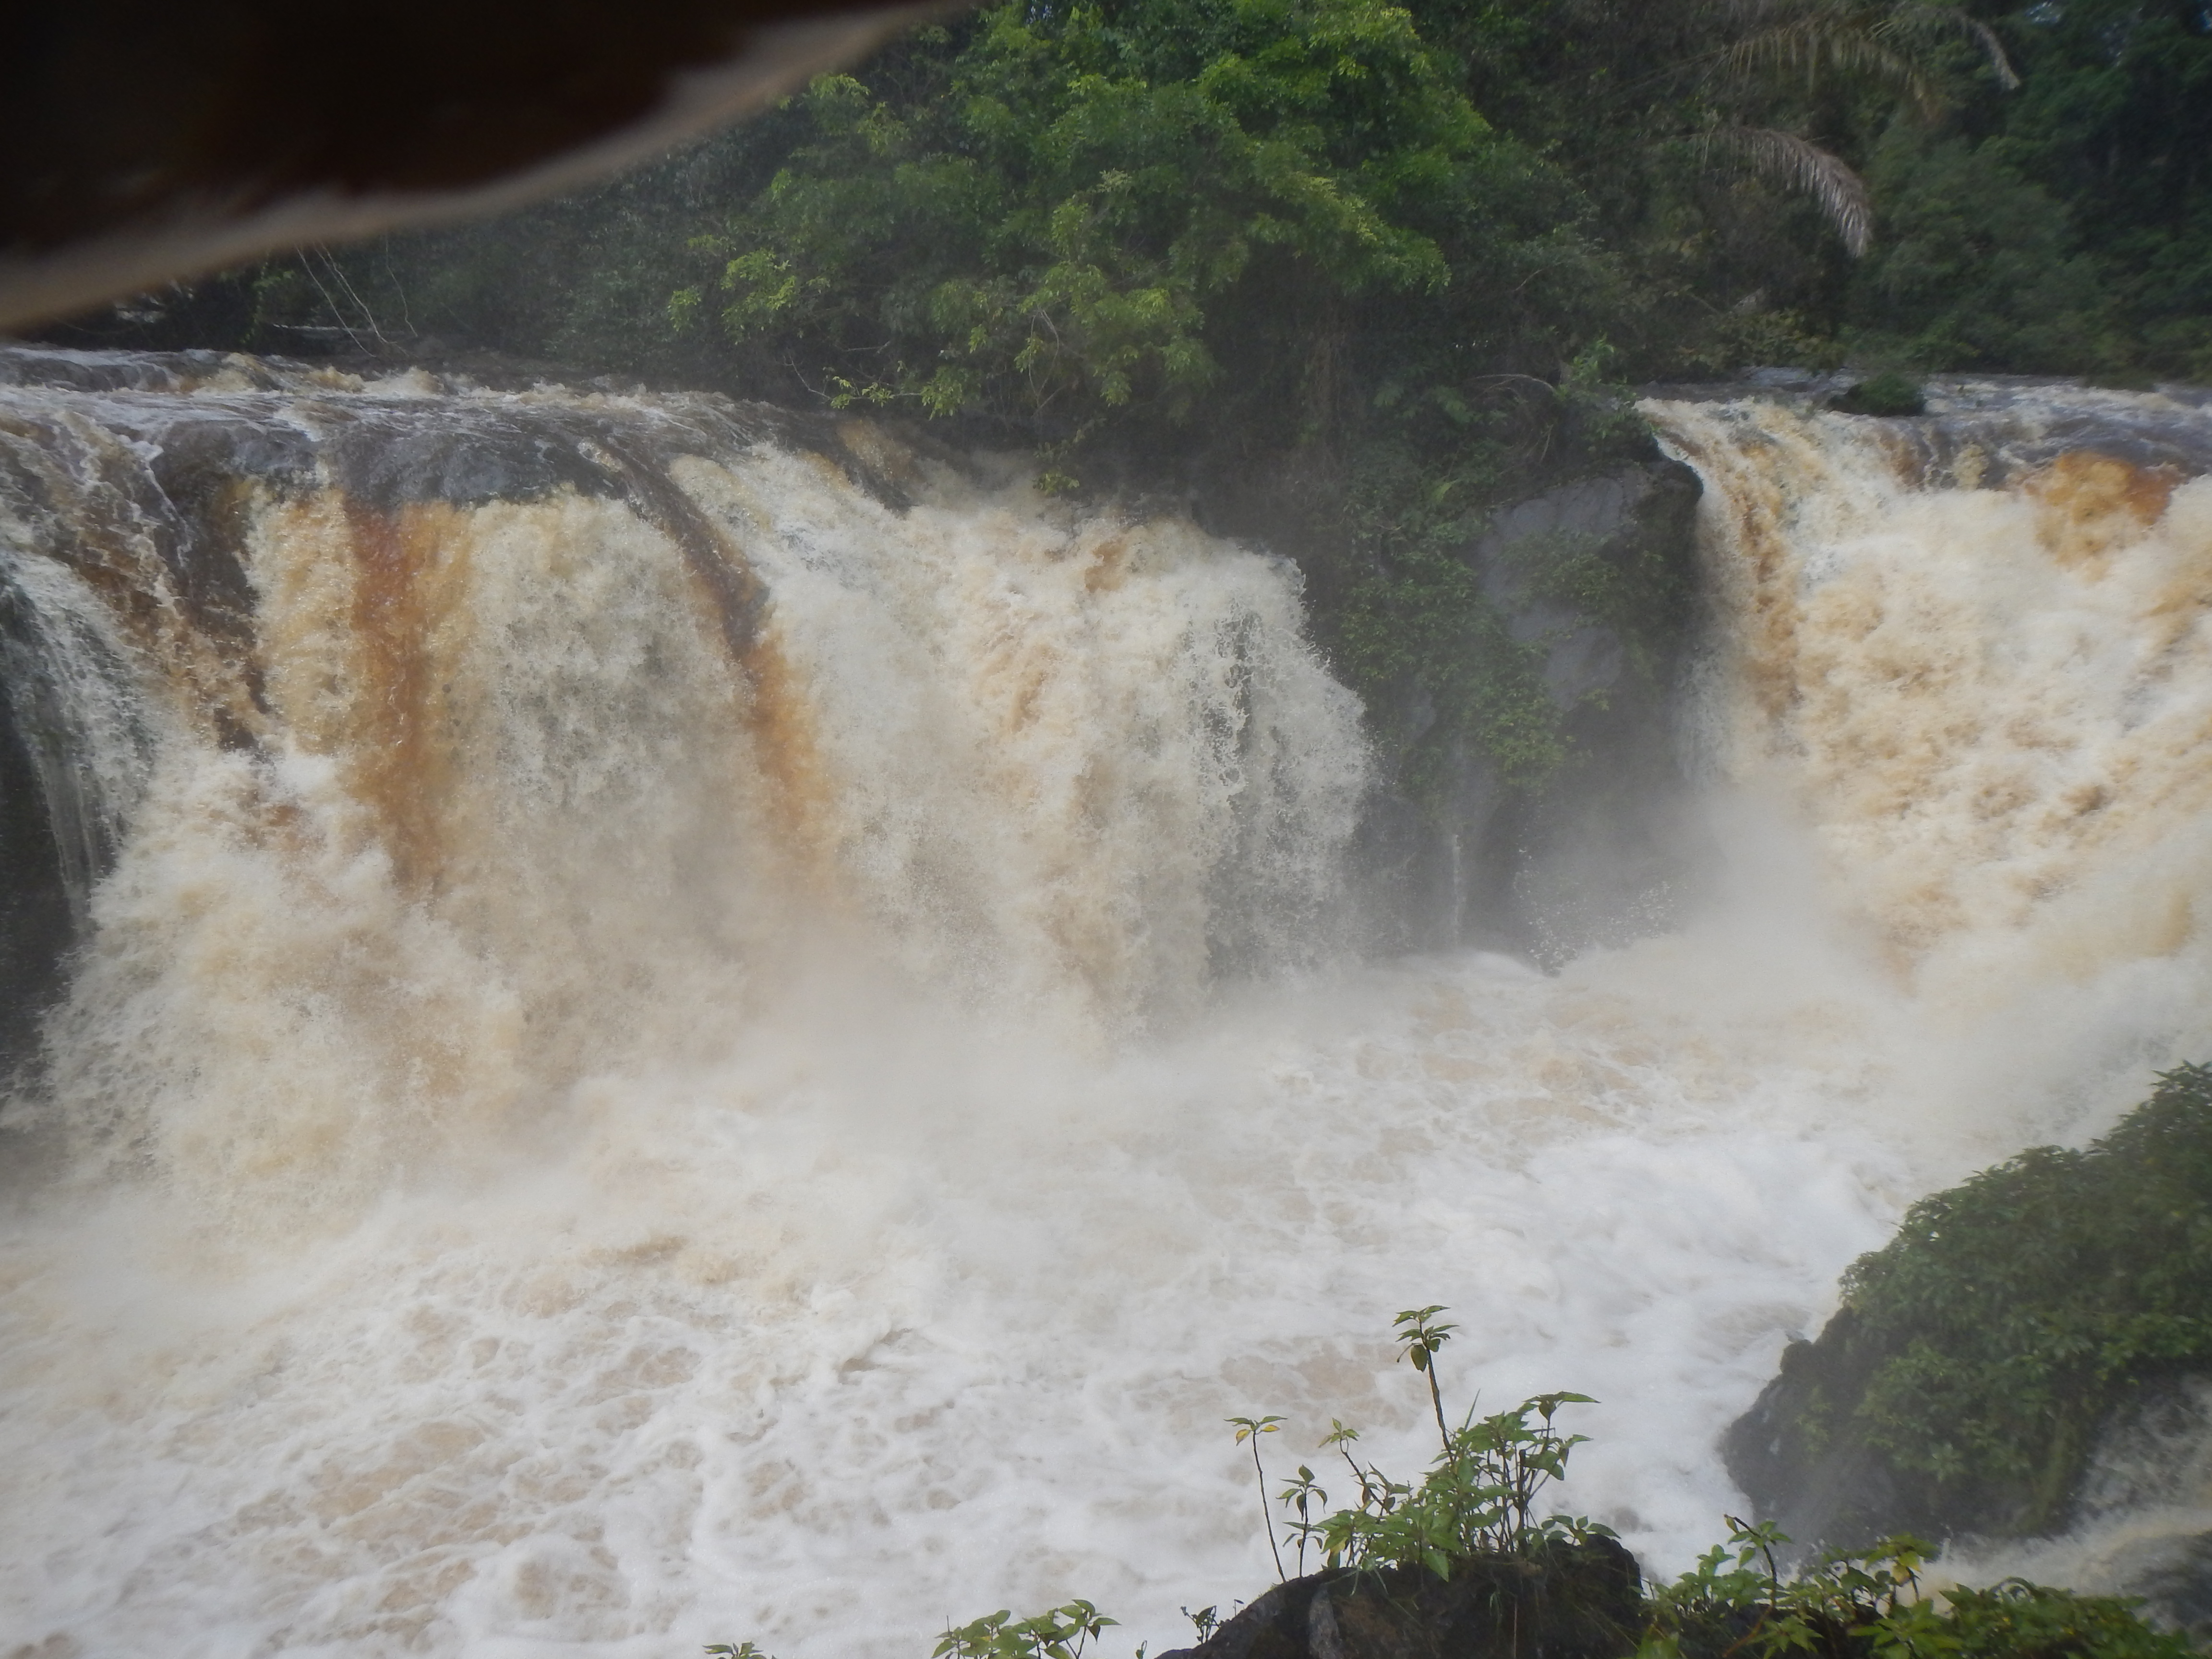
[[1891, 395]]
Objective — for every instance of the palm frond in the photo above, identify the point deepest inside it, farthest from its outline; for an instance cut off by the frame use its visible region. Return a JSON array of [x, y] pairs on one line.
[[1799, 164], [1830, 39], [1748, 14], [1907, 18]]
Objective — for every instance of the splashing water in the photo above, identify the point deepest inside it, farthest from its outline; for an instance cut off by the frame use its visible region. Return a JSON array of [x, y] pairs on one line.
[[684, 1053]]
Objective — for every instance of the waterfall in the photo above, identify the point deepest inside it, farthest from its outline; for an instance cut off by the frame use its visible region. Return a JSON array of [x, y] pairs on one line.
[[503, 735], [687, 1025], [1972, 651], [1975, 650]]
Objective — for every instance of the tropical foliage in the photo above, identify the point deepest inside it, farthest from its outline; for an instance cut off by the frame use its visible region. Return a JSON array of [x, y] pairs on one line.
[[1869, 1606], [1041, 225], [1686, 178]]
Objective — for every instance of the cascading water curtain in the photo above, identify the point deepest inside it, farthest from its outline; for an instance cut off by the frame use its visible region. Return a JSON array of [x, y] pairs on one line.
[[690, 1029]]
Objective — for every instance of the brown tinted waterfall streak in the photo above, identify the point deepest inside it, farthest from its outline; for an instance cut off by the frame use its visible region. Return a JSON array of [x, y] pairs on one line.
[[2092, 504], [409, 569], [1757, 508], [775, 712], [537, 783]]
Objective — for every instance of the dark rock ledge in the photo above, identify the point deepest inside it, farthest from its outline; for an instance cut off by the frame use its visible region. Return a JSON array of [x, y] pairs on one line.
[[1567, 1601]]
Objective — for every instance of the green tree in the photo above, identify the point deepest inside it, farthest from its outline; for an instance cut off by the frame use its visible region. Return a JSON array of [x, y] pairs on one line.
[[1976, 267], [1046, 220]]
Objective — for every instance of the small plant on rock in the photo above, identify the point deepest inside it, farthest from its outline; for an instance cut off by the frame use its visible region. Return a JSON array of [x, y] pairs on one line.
[[1304, 1495], [1251, 1428], [1890, 394], [1420, 1336], [1479, 1495], [1056, 1633]]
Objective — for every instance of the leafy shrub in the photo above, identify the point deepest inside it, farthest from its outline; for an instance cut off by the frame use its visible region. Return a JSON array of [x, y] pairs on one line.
[[2015, 1310], [1056, 1633], [1866, 1606]]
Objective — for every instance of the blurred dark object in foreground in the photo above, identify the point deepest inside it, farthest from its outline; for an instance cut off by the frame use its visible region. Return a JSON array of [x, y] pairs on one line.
[[150, 139]]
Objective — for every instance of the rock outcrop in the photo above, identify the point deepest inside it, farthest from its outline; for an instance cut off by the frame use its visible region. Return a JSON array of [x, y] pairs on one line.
[[1566, 1601], [2022, 1371], [1598, 853]]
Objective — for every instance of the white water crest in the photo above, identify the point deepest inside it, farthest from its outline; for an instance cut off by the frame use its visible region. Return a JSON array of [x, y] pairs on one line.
[[600, 1129]]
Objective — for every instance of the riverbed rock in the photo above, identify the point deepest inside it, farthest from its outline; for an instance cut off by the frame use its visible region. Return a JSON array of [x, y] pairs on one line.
[[36, 926]]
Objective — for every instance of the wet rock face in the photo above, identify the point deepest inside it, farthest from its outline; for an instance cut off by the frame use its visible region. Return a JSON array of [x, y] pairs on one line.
[[1569, 1601], [36, 927], [1806, 1461], [1598, 854], [1805, 1465], [1608, 847], [2173, 1577], [2141, 1523]]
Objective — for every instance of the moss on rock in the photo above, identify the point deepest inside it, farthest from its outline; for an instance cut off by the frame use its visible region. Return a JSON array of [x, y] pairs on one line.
[[1964, 1380]]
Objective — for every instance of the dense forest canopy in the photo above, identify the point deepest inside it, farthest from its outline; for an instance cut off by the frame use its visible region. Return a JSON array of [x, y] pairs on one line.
[[1041, 214], [1353, 273]]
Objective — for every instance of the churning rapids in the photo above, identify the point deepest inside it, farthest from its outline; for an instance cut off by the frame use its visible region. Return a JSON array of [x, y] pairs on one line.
[[684, 1040]]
